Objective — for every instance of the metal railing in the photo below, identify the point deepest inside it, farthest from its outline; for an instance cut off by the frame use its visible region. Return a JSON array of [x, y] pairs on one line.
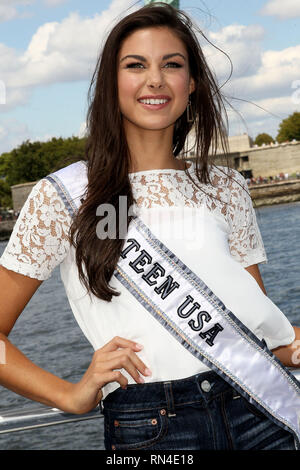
[[41, 416]]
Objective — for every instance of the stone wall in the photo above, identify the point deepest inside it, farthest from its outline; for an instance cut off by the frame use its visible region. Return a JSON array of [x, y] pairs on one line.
[[265, 161], [20, 192], [277, 193], [271, 160]]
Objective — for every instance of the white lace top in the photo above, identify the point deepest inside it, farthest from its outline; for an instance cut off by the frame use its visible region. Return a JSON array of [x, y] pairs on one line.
[[227, 239], [40, 238]]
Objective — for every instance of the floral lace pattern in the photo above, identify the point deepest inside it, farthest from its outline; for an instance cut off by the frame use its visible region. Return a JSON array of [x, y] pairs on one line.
[[39, 241]]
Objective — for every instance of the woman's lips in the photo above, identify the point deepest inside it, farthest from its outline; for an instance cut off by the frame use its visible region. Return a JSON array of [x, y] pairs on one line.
[[155, 106]]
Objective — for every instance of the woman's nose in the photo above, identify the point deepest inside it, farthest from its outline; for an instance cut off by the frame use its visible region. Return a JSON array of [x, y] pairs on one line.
[[155, 78]]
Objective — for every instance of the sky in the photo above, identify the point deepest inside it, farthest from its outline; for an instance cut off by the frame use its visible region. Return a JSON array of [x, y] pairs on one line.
[[49, 48]]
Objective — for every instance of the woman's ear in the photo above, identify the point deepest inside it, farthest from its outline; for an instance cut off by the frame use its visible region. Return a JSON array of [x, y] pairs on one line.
[[192, 85]]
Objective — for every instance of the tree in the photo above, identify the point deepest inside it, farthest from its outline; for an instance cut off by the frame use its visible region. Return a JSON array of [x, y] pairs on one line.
[[32, 161], [289, 129], [264, 139], [5, 194]]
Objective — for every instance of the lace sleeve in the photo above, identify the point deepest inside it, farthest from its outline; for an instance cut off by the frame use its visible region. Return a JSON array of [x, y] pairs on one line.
[[245, 241], [39, 241]]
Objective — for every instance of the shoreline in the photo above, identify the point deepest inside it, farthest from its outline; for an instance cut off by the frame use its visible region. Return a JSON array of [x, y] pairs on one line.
[[270, 194]]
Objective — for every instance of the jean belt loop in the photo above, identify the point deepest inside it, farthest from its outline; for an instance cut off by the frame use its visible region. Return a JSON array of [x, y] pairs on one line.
[[169, 399], [101, 407]]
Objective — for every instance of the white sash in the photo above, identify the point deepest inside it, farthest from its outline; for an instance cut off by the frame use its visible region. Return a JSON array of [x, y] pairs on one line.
[[196, 317]]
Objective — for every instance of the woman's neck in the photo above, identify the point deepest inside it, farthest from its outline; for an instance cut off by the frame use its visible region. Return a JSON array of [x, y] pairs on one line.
[[151, 149]]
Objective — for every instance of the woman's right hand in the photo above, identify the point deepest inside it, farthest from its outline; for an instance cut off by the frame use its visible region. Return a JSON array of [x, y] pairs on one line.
[[119, 353]]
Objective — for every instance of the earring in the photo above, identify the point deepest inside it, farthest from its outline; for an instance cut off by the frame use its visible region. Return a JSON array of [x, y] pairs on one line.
[[190, 116]]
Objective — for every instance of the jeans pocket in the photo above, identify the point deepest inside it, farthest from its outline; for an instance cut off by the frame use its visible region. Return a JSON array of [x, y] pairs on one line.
[[138, 429]]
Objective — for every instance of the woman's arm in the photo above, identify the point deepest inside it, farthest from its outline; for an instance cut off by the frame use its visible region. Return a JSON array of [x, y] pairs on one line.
[[289, 355], [254, 271], [19, 374]]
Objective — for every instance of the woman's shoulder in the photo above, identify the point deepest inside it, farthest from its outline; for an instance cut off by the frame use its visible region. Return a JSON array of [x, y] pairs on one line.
[[73, 172], [228, 177], [69, 182]]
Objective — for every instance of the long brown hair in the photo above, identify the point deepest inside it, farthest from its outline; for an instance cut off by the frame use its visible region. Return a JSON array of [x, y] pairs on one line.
[[107, 152]]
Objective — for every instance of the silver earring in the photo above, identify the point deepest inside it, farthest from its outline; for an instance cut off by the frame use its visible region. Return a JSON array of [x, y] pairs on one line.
[[190, 116]]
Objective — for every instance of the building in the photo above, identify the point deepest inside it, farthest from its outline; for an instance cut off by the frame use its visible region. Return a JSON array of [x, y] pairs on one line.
[[253, 161]]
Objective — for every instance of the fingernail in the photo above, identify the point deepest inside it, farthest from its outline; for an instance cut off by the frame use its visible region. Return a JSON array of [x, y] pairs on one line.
[[148, 372], [141, 380], [139, 346]]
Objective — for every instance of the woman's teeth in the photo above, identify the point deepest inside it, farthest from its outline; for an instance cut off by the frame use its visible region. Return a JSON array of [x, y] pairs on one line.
[[153, 101]]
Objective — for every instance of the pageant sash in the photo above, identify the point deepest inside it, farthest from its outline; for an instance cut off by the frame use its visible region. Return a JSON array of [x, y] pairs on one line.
[[188, 309]]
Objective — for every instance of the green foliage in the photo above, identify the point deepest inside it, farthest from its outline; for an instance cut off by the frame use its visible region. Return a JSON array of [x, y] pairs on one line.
[[31, 161], [289, 129], [5, 194], [263, 139]]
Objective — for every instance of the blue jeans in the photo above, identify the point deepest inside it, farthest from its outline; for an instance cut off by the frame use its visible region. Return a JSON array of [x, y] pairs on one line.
[[202, 412]]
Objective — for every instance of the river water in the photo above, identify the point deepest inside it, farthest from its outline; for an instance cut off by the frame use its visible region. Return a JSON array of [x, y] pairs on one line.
[[49, 335]]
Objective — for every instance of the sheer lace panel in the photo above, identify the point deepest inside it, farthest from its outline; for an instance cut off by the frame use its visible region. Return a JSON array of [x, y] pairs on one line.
[[174, 188], [39, 241], [245, 241]]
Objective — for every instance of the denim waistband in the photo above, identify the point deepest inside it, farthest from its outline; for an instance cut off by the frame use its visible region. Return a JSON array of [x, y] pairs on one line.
[[200, 387]]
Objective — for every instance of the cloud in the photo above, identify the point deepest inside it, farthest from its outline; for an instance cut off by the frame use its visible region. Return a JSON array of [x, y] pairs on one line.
[[7, 13], [12, 134], [274, 77], [236, 40], [58, 52], [282, 9], [263, 116], [269, 79], [82, 130], [280, 106], [9, 9]]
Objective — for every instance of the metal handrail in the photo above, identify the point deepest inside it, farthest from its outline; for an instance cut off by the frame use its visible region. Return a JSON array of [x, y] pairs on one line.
[[42, 416]]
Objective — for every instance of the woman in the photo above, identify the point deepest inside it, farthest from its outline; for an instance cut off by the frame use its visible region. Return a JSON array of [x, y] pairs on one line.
[[154, 394]]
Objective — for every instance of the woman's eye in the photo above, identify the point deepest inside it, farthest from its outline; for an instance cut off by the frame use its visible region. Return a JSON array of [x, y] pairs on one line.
[[174, 64], [133, 65]]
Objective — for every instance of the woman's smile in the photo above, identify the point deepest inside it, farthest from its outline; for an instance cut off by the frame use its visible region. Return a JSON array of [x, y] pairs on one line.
[[154, 103]]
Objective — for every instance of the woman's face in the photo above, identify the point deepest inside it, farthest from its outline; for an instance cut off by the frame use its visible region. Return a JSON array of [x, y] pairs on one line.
[[161, 70]]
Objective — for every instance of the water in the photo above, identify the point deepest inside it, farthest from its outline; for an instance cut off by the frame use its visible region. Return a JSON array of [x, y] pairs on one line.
[[48, 334]]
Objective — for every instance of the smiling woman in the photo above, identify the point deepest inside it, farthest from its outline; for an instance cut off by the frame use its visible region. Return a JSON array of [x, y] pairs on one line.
[[170, 296]]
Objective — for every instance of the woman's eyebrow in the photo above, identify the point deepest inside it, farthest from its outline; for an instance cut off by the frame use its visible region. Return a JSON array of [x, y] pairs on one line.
[[142, 59]]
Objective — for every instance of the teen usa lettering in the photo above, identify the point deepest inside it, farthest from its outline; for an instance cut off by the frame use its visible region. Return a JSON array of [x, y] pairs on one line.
[[188, 305]]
